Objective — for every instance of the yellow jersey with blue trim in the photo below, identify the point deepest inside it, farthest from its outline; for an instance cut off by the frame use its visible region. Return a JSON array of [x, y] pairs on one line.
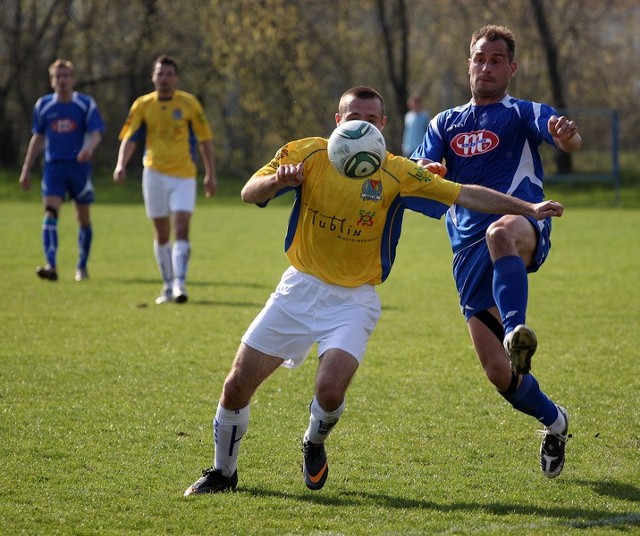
[[345, 231], [171, 130]]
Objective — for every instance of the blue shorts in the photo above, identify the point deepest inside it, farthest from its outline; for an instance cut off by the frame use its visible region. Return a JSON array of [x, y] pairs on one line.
[[68, 180], [473, 270]]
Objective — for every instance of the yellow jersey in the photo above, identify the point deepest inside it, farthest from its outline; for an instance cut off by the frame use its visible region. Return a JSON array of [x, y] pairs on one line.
[[345, 231], [171, 130]]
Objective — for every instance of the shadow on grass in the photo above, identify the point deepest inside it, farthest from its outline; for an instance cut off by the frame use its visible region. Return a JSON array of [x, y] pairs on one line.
[[574, 516], [190, 283], [618, 490]]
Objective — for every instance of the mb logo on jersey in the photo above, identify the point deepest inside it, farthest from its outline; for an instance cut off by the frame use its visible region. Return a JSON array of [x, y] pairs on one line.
[[469, 144], [64, 126]]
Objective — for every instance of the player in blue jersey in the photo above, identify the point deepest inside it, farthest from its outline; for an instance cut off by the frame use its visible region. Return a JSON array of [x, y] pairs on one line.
[[68, 127], [341, 243], [493, 140]]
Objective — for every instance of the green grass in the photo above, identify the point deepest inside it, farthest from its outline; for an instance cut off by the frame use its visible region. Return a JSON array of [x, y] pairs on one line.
[[106, 400]]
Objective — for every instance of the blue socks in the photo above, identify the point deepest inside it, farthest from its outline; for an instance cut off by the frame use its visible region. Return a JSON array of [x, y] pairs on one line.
[[50, 239], [85, 235], [529, 399], [510, 291]]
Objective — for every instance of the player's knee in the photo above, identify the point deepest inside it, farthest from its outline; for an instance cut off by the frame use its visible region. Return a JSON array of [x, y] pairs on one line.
[[50, 212], [330, 397], [235, 394], [498, 234]]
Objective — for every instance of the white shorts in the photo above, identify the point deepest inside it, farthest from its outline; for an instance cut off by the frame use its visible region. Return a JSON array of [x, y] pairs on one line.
[[164, 194], [304, 310]]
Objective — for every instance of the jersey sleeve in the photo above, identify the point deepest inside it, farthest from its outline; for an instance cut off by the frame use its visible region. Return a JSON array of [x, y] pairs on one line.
[[200, 124], [293, 152], [37, 124], [133, 123], [430, 194], [94, 119], [539, 123]]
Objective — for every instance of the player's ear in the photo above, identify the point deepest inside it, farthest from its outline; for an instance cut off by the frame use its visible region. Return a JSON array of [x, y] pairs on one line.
[[338, 119], [514, 68], [383, 122]]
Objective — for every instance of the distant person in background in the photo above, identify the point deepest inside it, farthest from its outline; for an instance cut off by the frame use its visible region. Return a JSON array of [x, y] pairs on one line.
[[67, 125], [416, 121], [170, 123], [493, 140]]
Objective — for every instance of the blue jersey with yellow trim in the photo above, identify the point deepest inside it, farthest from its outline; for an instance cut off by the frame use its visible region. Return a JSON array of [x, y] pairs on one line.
[[495, 145], [345, 231], [65, 124]]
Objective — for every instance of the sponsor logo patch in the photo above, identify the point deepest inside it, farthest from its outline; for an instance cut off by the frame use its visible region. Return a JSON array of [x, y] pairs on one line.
[[467, 144]]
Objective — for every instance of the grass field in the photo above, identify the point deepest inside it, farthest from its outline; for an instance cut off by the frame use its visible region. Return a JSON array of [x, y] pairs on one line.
[[106, 400]]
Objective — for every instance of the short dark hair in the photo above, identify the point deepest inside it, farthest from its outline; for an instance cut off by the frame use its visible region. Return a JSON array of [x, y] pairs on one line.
[[165, 59], [361, 92], [493, 32]]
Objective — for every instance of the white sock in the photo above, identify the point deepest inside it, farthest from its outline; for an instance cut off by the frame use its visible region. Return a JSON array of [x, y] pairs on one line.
[[163, 258], [321, 422], [181, 251], [558, 425], [229, 427]]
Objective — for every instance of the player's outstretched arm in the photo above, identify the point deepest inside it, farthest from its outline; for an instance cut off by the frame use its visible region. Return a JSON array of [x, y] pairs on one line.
[[490, 201], [565, 133], [262, 189]]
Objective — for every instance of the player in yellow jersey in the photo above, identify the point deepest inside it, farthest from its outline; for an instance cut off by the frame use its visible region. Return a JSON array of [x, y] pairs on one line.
[[170, 123], [341, 242]]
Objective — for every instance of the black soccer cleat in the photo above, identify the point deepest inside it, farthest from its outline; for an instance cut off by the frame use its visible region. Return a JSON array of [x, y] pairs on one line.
[[47, 272], [213, 481], [552, 448], [314, 468]]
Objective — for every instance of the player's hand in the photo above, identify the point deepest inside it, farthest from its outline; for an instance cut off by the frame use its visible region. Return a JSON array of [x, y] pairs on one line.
[[210, 186], [290, 175], [436, 168], [547, 209], [119, 174], [84, 155], [25, 181], [562, 128]]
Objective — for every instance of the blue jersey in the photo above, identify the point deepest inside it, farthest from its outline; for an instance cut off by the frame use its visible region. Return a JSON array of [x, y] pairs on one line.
[[65, 124], [495, 145]]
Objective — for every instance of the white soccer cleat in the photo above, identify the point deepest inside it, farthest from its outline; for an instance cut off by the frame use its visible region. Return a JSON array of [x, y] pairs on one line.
[[165, 297], [179, 292], [81, 274]]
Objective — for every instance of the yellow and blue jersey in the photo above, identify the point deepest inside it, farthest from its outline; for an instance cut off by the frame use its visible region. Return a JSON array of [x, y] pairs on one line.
[[171, 130], [345, 231]]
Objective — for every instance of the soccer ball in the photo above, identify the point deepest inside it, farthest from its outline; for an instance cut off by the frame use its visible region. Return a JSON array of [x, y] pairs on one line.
[[356, 149]]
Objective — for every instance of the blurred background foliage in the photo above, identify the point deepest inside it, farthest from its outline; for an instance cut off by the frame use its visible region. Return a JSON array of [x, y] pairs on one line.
[[268, 71]]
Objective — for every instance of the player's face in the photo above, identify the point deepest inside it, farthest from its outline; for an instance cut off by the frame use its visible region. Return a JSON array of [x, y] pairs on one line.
[[62, 80], [490, 70], [164, 79], [369, 110]]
